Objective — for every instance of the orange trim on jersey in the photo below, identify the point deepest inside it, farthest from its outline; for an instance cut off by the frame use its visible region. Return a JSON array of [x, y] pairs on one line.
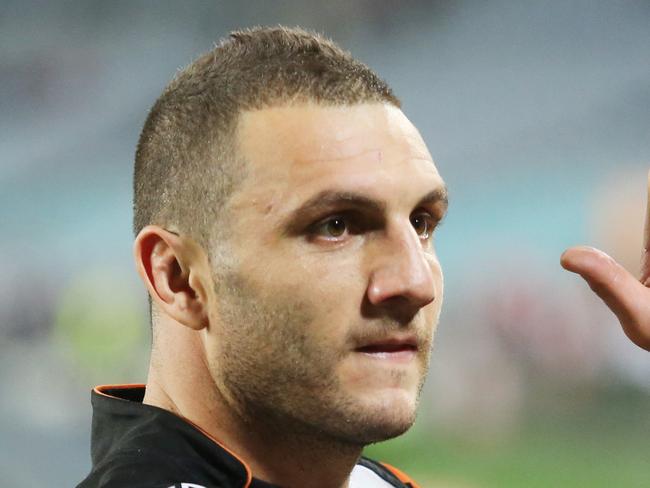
[[249, 474], [98, 389], [403, 477]]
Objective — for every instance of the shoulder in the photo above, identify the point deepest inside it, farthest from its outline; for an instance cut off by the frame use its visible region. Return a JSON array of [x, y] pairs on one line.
[[141, 446], [146, 468], [390, 474]]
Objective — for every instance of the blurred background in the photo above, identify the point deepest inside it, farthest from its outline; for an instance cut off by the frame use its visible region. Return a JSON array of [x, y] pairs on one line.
[[538, 115]]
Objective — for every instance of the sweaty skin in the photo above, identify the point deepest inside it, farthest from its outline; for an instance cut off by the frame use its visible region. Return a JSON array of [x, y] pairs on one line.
[[626, 296]]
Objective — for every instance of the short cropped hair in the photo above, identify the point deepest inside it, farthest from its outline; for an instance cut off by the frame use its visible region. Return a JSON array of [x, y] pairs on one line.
[[186, 164]]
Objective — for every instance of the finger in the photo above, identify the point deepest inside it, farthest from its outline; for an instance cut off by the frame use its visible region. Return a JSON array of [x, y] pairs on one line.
[[645, 257], [618, 288]]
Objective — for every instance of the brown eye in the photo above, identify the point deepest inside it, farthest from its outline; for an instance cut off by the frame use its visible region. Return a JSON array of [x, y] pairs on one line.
[[422, 225], [335, 227]]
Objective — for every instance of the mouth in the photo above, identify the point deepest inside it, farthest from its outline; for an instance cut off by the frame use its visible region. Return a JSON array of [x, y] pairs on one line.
[[400, 350]]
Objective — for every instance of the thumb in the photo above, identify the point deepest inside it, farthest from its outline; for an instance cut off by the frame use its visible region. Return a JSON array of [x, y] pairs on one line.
[[618, 288]]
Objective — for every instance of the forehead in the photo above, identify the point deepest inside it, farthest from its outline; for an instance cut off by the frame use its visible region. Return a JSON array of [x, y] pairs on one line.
[[290, 150]]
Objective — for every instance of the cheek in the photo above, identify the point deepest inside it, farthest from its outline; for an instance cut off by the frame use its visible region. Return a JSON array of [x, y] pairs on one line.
[[432, 311], [303, 300], [331, 283], [438, 276], [440, 294]]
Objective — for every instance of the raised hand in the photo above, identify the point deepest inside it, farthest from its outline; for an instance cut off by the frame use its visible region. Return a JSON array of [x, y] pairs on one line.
[[626, 296]]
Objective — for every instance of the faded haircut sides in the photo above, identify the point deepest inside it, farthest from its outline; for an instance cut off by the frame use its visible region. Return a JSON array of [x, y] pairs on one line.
[[186, 165]]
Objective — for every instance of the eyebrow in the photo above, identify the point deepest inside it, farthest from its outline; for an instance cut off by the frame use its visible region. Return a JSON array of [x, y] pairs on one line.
[[439, 195], [327, 199]]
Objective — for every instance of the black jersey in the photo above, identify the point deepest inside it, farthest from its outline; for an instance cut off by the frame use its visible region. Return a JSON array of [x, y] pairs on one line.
[[141, 446]]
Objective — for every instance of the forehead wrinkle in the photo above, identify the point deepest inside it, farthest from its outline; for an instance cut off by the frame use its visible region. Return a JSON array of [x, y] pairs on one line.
[[357, 146], [341, 155], [375, 155], [354, 147]]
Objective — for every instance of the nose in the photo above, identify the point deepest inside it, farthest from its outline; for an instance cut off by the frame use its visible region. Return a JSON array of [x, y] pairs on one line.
[[404, 272]]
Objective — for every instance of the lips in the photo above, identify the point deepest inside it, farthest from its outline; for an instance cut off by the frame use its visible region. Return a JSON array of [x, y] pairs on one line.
[[378, 348], [389, 345]]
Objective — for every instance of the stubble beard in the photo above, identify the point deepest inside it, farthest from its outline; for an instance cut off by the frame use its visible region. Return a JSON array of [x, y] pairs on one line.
[[278, 381]]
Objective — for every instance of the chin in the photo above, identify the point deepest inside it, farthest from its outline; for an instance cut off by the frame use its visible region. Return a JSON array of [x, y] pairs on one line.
[[388, 415], [384, 432]]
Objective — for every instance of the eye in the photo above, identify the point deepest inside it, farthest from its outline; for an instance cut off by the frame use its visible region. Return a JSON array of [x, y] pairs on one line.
[[423, 224], [333, 227]]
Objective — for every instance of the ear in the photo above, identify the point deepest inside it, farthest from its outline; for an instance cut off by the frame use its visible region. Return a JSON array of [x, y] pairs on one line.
[[173, 273]]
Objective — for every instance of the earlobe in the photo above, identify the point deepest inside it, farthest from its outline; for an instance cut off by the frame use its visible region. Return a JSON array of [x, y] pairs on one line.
[[165, 265]]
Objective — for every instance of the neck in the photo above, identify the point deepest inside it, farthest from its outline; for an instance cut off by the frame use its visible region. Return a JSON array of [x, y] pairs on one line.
[[286, 456], [281, 452]]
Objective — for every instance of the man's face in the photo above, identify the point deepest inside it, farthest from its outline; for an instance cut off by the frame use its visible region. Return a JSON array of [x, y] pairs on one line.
[[325, 316]]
